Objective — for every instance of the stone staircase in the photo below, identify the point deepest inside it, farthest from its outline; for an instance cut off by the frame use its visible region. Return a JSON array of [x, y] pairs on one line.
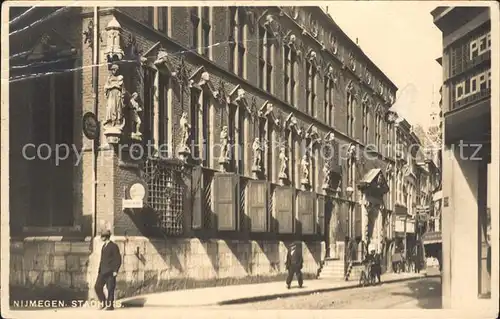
[[333, 269]]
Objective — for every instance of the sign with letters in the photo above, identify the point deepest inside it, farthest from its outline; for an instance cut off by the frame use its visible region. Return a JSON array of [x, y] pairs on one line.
[[137, 193]]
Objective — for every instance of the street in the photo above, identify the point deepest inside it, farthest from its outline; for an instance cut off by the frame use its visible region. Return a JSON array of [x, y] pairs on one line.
[[423, 293]]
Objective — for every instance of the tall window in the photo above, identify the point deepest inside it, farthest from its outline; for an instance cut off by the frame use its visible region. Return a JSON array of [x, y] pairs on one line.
[[265, 60], [237, 39], [350, 114], [147, 113], [365, 122], [329, 101], [310, 88], [378, 130], [163, 18], [269, 150], [201, 27], [241, 142], [51, 179], [195, 122], [163, 114], [206, 125], [290, 59]]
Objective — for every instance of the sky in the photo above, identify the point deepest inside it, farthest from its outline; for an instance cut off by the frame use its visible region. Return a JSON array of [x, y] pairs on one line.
[[401, 39]]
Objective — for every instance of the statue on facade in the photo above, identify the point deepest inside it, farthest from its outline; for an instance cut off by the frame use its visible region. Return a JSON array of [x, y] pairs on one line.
[[114, 91], [305, 163], [283, 174], [224, 151], [186, 132], [327, 172], [136, 119], [257, 155]]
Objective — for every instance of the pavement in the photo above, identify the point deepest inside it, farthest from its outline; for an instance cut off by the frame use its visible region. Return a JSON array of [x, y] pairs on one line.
[[237, 294]]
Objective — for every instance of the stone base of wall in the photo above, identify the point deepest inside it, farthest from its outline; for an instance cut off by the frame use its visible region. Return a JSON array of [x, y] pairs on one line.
[[68, 269]]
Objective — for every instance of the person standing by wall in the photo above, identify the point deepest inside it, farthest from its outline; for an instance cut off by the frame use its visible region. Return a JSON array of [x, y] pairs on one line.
[[109, 265], [294, 263]]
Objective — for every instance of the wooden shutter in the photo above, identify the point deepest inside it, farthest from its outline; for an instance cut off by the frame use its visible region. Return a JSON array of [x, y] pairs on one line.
[[358, 231], [306, 212], [257, 205], [342, 225], [284, 197], [321, 214], [225, 199], [196, 197]]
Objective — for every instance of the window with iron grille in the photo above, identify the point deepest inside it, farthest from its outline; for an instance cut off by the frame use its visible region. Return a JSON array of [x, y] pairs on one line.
[[166, 195], [289, 59], [310, 88], [237, 38], [265, 60], [329, 101]]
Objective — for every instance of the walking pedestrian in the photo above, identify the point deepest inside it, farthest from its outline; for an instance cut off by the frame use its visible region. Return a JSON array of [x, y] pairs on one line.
[[109, 265], [294, 263]]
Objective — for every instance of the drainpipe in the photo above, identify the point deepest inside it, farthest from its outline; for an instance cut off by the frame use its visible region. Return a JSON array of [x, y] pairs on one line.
[[95, 72]]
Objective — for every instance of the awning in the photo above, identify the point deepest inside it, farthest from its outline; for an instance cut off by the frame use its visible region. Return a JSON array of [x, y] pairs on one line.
[[376, 179], [432, 238]]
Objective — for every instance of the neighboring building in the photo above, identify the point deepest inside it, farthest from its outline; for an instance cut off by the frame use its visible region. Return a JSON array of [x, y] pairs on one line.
[[470, 260], [206, 79]]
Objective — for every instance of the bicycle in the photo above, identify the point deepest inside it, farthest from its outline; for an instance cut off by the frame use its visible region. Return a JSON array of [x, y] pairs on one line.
[[367, 277]]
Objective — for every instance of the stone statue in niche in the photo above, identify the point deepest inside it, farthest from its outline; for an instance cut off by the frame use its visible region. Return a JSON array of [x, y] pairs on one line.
[[283, 174], [327, 173], [114, 91], [305, 163], [186, 132], [224, 151], [257, 156], [136, 119]]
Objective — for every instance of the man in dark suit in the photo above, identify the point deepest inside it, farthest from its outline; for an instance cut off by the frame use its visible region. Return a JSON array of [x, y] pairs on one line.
[[109, 265], [294, 263]]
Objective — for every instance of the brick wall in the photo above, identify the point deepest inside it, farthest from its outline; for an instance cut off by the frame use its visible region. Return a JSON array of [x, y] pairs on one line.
[[67, 269]]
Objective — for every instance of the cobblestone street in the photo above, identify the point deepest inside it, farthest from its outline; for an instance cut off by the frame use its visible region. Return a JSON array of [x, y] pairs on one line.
[[423, 293]]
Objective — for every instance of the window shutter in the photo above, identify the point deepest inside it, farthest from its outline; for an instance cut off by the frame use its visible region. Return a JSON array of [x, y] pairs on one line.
[[284, 209], [321, 215], [196, 193], [226, 197], [258, 196], [306, 212], [358, 231], [342, 226]]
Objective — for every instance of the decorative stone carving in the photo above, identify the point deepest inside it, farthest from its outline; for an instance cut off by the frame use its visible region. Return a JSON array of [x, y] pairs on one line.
[[272, 25], [351, 151], [113, 50], [267, 110], [389, 169], [314, 28], [163, 63], [352, 62], [332, 74], [312, 58], [115, 95], [329, 137], [291, 123], [366, 99], [136, 119], [257, 157], [305, 163], [238, 97], [224, 151], [333, 43], [283, 174], [295, 12], [184, 150]]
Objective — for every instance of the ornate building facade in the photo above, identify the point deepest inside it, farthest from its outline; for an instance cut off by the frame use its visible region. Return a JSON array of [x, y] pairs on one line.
[[205, 138]]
